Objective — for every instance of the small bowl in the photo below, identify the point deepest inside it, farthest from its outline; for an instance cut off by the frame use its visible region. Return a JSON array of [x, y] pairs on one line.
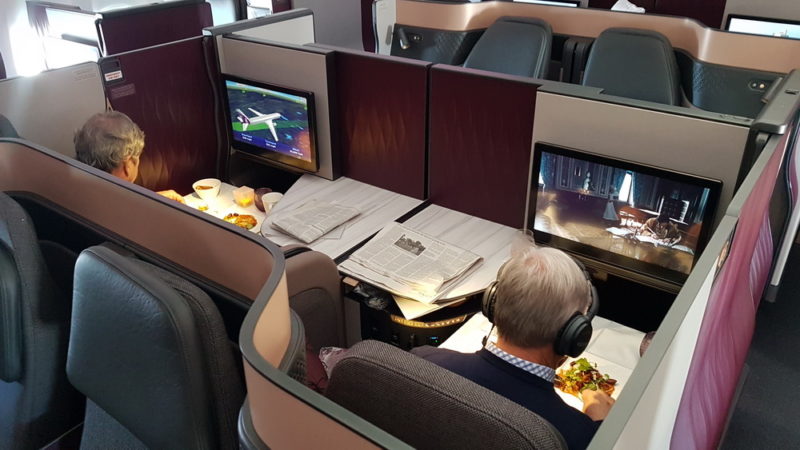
[[270, 200], [207, 188], [260, 192]]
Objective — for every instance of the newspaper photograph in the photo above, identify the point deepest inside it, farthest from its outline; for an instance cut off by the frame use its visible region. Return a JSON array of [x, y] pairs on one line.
[[313, 220], [410, 263]]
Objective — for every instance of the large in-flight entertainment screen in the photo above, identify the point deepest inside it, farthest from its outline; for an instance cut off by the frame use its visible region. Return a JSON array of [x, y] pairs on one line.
[[272, 122]]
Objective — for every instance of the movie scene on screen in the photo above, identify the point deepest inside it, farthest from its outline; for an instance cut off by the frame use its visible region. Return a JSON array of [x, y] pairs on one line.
[[655, 217]]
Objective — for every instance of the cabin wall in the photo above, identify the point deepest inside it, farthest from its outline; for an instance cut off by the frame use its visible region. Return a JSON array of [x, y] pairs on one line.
[[335, 22]]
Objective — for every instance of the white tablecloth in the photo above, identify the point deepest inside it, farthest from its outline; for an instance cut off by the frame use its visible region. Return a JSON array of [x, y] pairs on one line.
[[614, 347]]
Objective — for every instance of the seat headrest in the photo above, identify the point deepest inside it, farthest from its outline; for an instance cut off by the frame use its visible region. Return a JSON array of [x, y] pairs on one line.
[[515, 46], [633, 63], [417, 401], [7, 129], [139, 349], [18, 251]]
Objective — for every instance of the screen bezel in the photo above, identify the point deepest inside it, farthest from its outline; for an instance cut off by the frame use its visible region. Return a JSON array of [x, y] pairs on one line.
[[567, 3], [623, 263], [260, 153], [758, 19]]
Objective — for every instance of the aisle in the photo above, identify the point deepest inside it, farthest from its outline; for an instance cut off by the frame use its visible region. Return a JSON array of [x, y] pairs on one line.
[[767, 413]]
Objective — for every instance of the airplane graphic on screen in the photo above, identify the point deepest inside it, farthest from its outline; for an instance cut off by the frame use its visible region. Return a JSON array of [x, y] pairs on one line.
[[259, 118]]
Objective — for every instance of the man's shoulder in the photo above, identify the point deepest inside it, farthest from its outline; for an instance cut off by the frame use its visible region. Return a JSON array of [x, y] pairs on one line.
[[465, 364], [434, 353]]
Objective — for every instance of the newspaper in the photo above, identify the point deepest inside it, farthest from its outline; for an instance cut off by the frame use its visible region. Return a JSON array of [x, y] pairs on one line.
[[413, 309], [313, 220], [410, 264]]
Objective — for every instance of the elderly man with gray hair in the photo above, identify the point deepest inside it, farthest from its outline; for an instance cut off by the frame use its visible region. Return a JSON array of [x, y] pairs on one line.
[[541, 297], [112, 142]]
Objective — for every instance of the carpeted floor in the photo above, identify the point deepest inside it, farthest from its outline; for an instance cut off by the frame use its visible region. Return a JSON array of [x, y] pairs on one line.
[[768, 413]]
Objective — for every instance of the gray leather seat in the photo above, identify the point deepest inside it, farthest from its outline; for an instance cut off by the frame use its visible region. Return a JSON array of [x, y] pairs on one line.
[[633, 63], [150, 352], [515, 46], [430, 407], [37, 403], [7, 128], [315, 296]]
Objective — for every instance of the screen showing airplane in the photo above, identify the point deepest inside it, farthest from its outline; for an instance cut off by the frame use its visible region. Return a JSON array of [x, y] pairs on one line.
[[763, 26], [272, 122], [643, 219]]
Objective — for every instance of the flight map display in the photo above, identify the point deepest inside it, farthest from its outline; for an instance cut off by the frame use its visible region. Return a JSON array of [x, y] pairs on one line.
[[270, 120]]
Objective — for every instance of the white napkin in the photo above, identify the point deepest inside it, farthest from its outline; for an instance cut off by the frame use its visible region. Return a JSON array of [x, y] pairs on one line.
[[625, 5]]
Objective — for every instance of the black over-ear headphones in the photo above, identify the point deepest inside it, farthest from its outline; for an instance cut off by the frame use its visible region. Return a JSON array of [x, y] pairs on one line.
[[574, 336]]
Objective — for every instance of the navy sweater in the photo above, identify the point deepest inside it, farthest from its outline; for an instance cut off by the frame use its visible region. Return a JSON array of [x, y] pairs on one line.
[[527, 389]]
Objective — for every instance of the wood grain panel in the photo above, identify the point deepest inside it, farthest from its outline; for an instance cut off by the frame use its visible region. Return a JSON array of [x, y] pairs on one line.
[[481, 126], [140, 29], [174, 106], [382, 111]]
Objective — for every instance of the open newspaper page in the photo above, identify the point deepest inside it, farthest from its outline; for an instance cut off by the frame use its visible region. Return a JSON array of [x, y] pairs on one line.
[[410, 264], [313, 220]]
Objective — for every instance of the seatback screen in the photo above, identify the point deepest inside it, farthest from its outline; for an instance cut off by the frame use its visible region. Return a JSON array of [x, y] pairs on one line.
[[763, 26], [639, 218], [272, 122], [567, 3]]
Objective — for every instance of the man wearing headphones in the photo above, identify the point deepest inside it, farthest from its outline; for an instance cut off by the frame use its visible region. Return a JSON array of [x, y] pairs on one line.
[[539, 305]]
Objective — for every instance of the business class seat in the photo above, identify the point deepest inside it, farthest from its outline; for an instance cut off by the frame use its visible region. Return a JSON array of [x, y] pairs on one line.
[[634, 63], [150, 352], [37, 403], [315, 296], [430, 407], [514, 46]]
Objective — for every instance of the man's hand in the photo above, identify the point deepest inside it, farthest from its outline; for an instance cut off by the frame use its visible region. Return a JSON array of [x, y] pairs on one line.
[[596, 404], [172, 195]]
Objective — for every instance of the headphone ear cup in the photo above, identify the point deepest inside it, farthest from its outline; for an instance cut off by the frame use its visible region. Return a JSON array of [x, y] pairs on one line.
[[594, 298], [594, 307], [489, 300], [574, 337]]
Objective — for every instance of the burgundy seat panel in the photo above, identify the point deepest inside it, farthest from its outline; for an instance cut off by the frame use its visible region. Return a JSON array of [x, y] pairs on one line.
[[142, 27], [166, 92], [382, 111], [480, 132]]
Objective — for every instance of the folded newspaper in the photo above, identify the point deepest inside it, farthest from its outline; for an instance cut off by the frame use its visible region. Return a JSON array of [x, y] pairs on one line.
[[313, 220], [410, 264]]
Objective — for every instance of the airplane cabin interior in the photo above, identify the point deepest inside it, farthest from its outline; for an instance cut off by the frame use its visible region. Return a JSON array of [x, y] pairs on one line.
[[352, 177]]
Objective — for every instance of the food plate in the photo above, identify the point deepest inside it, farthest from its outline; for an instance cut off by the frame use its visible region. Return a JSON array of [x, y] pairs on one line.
[[243, 216], [619, 373], [246, 221], [581, 375]]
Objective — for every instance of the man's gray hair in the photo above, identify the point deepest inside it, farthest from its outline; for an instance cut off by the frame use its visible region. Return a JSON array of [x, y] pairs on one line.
[[107, 139], [538, 290]]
